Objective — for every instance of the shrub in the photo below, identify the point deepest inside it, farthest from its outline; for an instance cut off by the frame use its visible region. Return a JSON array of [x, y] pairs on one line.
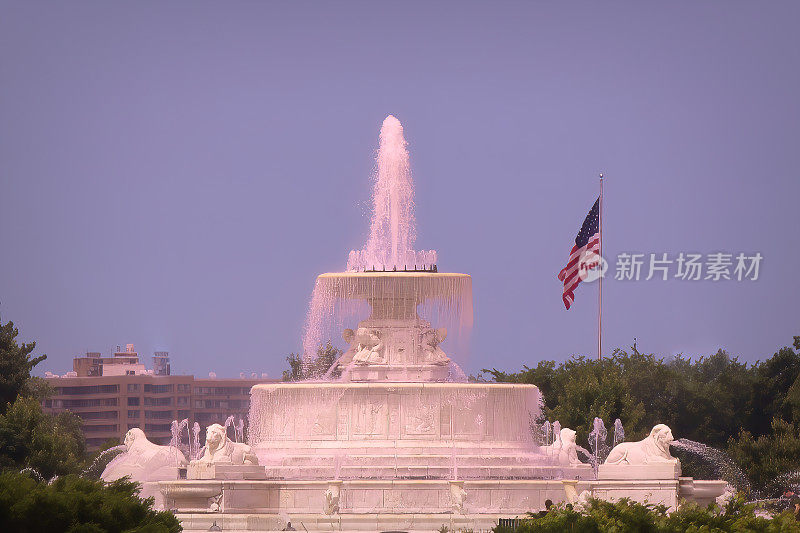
[[74, 504], [627, 516]]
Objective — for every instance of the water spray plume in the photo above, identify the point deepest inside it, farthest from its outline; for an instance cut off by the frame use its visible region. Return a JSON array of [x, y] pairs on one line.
[[393, 227], [340, 300]]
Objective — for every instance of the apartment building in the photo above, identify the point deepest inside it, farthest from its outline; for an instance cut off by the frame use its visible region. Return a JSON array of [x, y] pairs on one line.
[[117, 393]]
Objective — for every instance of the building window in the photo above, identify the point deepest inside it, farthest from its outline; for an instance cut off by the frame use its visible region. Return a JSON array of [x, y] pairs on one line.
[[183, 387], [158, 414], [221, 391], [133, 400], [183, 400], [184, 414], [134, 413], [157, 389], [160, 402], [220, 404], [156, 427], [90, 402], [99, 415], [133, 387], [97, 442], [92, 389], [98, 429], [218, 418]]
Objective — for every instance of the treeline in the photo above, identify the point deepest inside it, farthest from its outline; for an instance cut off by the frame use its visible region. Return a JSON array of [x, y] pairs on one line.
[[46, 483], [750, 411]]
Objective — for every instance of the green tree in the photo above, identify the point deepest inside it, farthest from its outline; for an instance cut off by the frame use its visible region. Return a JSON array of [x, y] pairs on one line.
[[15, 364], [776, 391], [585, 389], [295, 372], [74, 504], [50, 444], [326, 356], [716, 400], [772, 461], [709, 400]]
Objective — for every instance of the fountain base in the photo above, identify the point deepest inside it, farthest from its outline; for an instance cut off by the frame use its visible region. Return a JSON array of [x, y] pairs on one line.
[[381, 505], [197, 470]]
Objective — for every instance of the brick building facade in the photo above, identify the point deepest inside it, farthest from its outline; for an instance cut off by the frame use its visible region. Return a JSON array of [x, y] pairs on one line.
[[115, 394]]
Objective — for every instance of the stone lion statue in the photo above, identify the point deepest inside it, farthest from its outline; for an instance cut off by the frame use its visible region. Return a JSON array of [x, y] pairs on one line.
[[564, 448], [652, 449], [220, 449], [143, 460]]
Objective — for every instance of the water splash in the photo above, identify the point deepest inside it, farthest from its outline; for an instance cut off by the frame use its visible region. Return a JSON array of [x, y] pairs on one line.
[[619, 432], [786, 481], [724, 466], [118, 448], [239, 430], [35, 473], [547, 434], [393, 228], [176, 428], [598, 443], [195, 452], [229, 422]]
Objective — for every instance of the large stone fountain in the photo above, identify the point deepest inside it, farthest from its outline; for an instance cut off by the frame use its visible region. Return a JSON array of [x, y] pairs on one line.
[[393, 436]]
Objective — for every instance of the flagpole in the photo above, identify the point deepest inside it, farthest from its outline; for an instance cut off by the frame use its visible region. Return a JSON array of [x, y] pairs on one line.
[[600, 286]]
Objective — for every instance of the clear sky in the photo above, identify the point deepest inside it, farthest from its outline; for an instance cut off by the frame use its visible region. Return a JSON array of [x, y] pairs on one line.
[[175, 174]]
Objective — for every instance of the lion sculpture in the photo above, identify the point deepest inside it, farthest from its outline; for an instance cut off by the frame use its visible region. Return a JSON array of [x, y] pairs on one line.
[[220, 449], [143, 460], [564, 448], [652, 449]]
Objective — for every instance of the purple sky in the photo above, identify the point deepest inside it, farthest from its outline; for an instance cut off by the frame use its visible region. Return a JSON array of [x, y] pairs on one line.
[[176, 174]]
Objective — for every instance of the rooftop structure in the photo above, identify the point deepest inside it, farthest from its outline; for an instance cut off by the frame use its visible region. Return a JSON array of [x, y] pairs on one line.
[[117, 393]]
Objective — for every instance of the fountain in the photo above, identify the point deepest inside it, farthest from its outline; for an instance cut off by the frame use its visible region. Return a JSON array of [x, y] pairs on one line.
[[398, 408], [393, 436]]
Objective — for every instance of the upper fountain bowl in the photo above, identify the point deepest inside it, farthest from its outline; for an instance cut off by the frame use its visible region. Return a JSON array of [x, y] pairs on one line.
[[397, 342], [396, 295]]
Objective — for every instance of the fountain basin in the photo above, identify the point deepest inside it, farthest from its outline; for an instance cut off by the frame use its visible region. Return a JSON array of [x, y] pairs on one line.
[[395, 295], [398, 431]]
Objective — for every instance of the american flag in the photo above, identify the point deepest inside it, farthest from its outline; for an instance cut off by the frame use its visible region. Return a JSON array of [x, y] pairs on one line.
[[588, 240]]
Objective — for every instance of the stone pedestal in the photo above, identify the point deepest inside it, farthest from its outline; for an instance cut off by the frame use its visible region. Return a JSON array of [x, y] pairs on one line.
[[227, 471], [652, 491], [666, 470]]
